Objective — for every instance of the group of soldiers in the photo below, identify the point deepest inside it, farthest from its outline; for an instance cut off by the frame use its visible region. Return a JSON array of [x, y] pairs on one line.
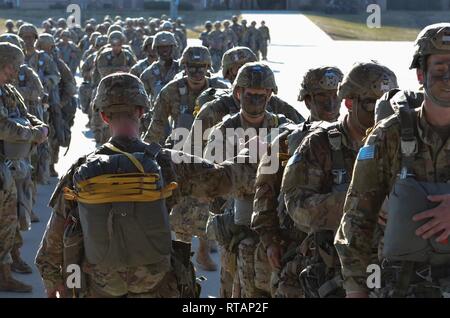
[[234, 34], [368, 187]]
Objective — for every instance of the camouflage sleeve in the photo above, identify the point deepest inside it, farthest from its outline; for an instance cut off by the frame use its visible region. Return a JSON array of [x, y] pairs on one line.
[[265, 219], [306, 184], [160, 118], [219, 147], [12, 131], [69, 87], [50, 256], [365, 197], [33, 88], [52, 76], [87, 66], [204, 180], [145, 78]]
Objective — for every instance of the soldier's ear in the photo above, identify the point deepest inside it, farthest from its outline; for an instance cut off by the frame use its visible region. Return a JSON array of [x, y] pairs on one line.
[[105, 118], [420, 76], [349, 103]]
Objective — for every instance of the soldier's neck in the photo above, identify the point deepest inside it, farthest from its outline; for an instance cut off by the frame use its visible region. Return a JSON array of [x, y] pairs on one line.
[[197, 87], [356, 134]]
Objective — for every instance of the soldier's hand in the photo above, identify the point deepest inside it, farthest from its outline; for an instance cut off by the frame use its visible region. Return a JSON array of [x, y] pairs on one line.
[[357, 295], [274, 253], [440, 219], [59, 291]]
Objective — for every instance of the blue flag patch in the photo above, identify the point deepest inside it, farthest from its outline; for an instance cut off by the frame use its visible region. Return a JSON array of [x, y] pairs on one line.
[[366, 153], [294, 159]]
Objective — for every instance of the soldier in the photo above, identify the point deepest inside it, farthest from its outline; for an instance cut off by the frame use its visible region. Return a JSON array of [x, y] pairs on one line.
[[87, 68], [231, 39], [252, 38], [156, 272], [204, 35], [110, 60], [62, 112], [214, 104], [254, 85], [129, 31], [136, 43], [91, 48], [265, 39], [278, 237], [85, 42], [179, 34], [177, 99], [406, 155], [47, 26], [180, 25], [168, 27], [151, 57], [19, 131], [153, 27], [69, 52], [216, 45], [164, 70], [244, 32], [317, 176], [237, 29], [9, 25]]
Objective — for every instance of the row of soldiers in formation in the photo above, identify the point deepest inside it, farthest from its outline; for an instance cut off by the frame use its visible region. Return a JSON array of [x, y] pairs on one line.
[[218, 41], [309, 229]]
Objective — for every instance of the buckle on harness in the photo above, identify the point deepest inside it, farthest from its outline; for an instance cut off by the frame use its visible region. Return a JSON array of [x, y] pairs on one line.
[[339, 175], [409, 147], [425, 274], [335, 139]]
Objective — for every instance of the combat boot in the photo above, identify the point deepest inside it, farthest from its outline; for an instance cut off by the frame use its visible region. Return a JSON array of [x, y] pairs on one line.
[[19, 265], [53, 172], [9, 284]]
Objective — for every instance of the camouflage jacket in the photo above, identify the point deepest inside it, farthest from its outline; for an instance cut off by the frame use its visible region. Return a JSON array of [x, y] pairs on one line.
[[45, 67], [265, 34], [314, 195], [169, 104], [69, 52], [376, 170], [201, 180], [29, 86], [141, 66], [108, 63], [155, 77], [216, 40], [12, 102], [211, 113]]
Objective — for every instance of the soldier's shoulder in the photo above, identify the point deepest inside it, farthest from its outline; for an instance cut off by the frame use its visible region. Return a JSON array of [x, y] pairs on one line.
[[216, 82]]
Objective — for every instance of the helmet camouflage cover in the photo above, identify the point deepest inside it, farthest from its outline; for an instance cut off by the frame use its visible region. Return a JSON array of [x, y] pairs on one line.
[[256, 75], [164, 38], [367, 80], [196, 55], [239, 55], [320, 79], [119, 92]]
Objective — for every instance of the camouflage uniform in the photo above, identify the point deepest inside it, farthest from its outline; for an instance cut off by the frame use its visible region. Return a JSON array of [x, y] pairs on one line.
[[69, 53], [317, 176], [401, 148], [231, 39], [143, 64], [11, 104], [216, 43], [269, 219], [201, 179], [176, 100], [252, 283], [253, 39], [107, 63], [204, 35], [237, 29], [265, 37]]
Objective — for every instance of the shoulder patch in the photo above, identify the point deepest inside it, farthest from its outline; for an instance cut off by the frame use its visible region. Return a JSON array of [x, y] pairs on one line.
[[366, 153]]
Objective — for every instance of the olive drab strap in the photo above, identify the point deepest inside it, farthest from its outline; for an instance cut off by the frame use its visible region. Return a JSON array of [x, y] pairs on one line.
[[337, 157], [408, 141], [124, 187], [184, 102]]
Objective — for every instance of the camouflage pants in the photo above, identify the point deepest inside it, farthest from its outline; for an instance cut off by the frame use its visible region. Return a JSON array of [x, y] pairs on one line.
[[227, 272], [246, 270], [40, 160], [24, 184], [264, 52], [8, 214], [288, 280], [151, 281], [85, 93], [188, 218], [263, 270], [54, 149]]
